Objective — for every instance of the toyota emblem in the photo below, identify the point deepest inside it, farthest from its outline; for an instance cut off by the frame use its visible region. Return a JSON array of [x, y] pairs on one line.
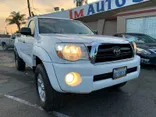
[[117, 51]]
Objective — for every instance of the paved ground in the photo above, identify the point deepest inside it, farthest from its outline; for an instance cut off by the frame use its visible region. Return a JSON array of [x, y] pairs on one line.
[[18, 97]]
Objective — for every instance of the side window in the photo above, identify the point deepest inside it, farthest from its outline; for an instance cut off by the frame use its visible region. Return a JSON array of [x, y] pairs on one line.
[[32, 27], [130, 37], [127, 36]]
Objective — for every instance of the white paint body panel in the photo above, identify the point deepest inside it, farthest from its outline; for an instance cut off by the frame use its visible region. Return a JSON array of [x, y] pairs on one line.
[[43, 47], [88, 71]]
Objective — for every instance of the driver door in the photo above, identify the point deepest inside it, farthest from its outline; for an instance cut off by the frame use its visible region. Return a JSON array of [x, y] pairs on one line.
[[28, 42]]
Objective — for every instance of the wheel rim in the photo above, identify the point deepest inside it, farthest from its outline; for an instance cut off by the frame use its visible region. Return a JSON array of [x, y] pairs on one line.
[[4, 47], [41, 88]]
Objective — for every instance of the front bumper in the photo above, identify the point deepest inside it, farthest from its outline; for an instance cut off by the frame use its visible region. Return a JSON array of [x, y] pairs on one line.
[[88, 72]]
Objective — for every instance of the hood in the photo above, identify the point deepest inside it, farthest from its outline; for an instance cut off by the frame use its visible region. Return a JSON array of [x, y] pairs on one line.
[[86, 38]]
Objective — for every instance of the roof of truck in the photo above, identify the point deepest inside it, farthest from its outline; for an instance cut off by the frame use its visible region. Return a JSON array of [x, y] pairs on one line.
[[42, 16]]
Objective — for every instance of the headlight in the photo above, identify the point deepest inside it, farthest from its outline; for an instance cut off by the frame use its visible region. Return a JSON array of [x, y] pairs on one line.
[[142, 51], [71, 52], [134, 47]]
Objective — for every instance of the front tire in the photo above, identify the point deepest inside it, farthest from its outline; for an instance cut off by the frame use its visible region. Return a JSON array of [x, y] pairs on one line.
[[4, 46], [20, 64], [48, 97]]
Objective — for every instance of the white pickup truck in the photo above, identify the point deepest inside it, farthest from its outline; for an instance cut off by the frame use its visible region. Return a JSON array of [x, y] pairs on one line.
[[7, 42], [68, 57]]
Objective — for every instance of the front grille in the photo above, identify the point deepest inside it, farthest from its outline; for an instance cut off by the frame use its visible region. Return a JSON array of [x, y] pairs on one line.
[[106, 52]]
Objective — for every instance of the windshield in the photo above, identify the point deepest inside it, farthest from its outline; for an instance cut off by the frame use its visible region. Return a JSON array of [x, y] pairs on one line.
[[59, 26], [141, 38]]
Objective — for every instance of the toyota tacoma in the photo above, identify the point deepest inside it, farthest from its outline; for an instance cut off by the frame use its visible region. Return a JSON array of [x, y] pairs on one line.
[[67, 57]]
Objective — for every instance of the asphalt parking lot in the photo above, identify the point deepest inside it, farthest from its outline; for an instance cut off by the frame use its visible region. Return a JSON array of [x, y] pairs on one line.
[[18, 97]]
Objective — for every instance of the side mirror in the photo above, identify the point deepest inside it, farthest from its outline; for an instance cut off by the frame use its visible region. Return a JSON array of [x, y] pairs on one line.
[[95, 32], [25, 31]]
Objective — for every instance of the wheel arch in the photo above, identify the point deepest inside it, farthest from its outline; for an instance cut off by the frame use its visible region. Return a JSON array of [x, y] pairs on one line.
[[3, 42], [40, 56], [17, 51]]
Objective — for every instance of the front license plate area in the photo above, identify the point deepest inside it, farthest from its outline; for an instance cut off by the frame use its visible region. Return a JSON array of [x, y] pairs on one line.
[[119, 72]]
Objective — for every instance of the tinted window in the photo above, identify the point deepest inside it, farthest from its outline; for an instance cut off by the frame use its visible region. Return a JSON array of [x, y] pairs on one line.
[[130, 38], [140, 38], [60, 26]]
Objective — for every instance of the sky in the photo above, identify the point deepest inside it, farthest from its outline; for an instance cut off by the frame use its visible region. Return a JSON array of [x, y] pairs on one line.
[[38, 7]]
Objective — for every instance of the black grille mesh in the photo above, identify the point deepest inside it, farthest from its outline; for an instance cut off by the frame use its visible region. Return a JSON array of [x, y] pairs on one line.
[[106, 52]]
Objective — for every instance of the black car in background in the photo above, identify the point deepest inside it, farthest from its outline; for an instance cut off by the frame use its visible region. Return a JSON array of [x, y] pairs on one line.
[[146, 46]]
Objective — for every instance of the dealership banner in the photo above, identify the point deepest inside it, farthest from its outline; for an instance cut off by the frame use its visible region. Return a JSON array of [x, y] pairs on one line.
[[94, 8]]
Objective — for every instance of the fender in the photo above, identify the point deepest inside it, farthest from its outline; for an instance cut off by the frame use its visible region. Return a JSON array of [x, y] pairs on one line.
[[41, 53], [17, 51], [48, 65]]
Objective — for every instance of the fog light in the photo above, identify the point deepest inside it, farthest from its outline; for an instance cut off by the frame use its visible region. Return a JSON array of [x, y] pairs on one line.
[[69, 77], [73, 79]]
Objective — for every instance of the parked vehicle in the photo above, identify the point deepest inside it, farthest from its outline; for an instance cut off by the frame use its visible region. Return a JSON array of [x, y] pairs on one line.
[[7, 42], [68, 57], [146, 46]]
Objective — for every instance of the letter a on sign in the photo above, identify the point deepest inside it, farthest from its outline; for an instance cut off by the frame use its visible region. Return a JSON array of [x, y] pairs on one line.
[[91, 10], [100, 6]]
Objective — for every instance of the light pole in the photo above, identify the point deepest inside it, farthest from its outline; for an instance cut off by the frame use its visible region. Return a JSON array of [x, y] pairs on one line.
[[6, 31], [29, 9]]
